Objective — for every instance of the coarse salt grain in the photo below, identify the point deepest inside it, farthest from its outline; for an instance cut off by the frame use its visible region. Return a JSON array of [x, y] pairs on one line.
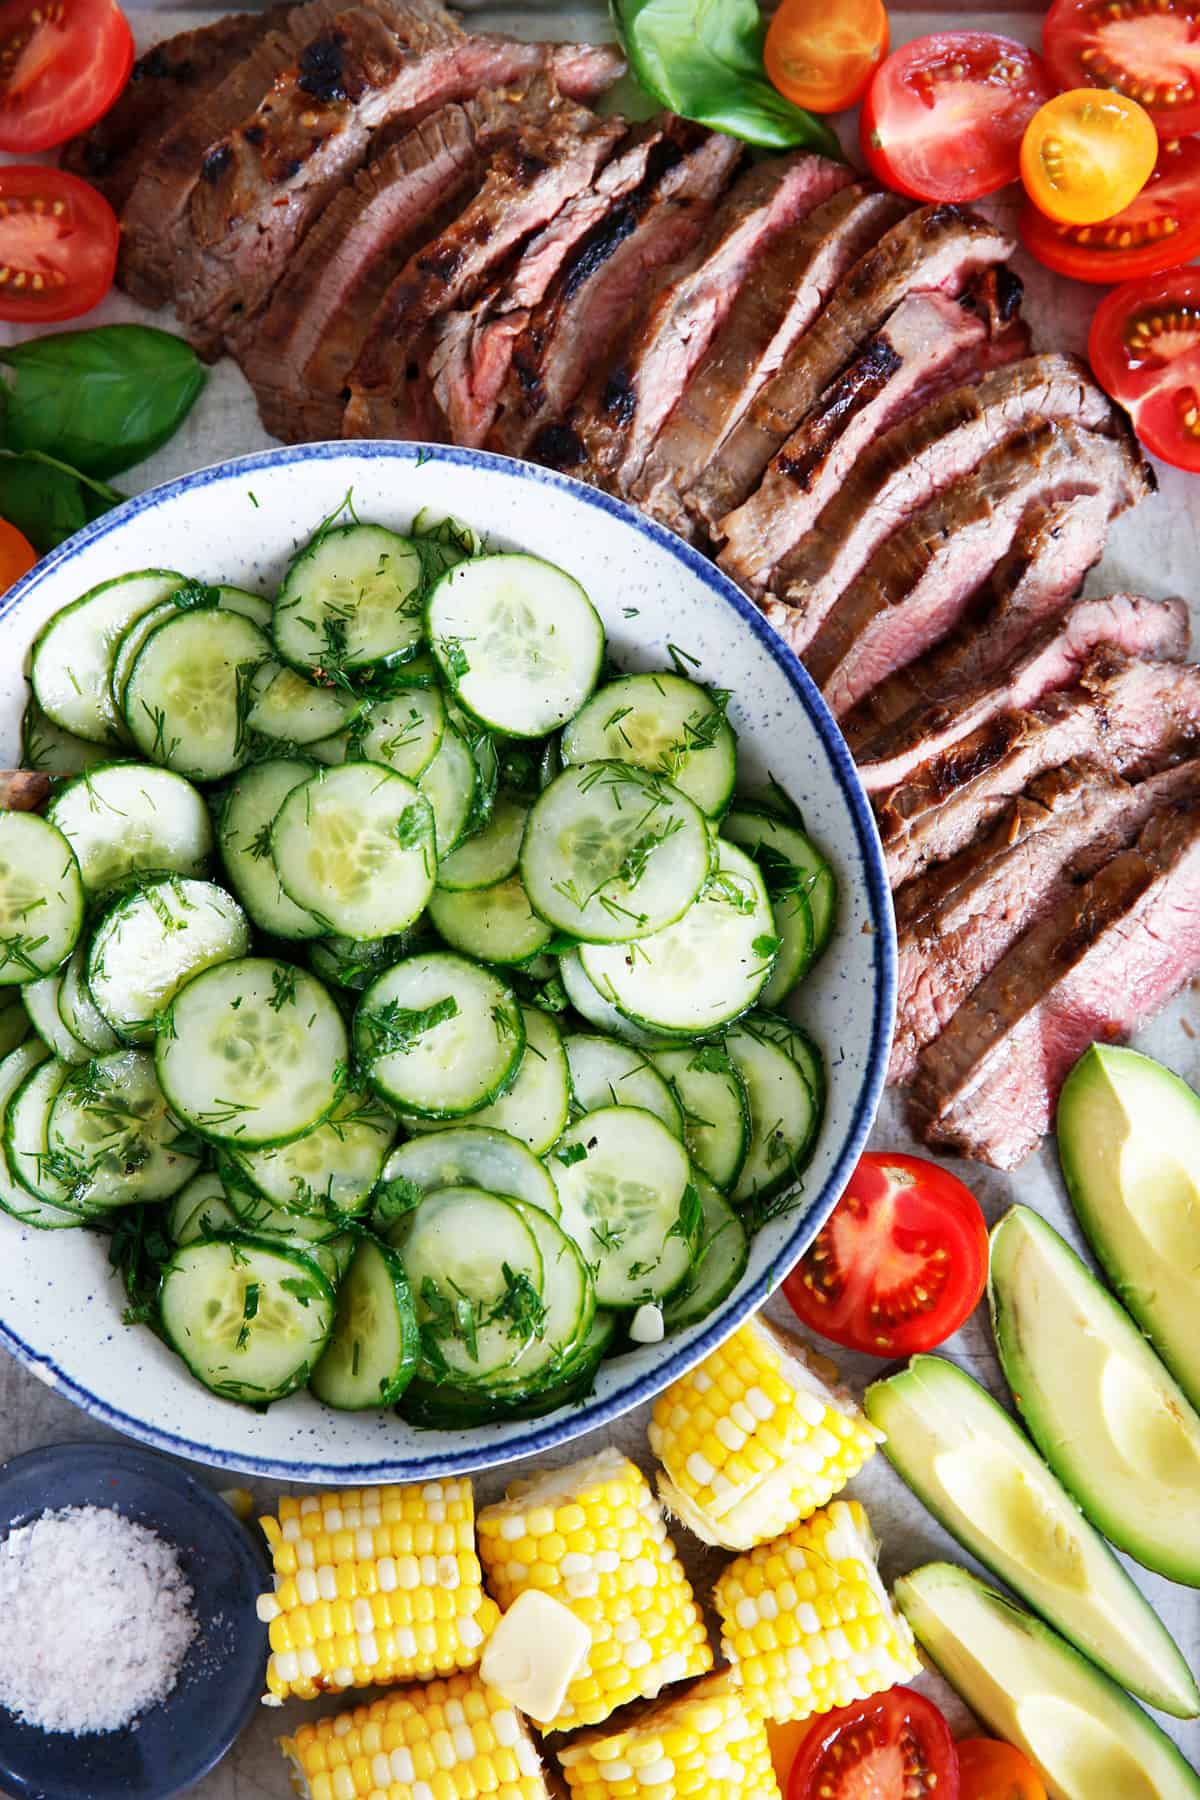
[[97, 1620]]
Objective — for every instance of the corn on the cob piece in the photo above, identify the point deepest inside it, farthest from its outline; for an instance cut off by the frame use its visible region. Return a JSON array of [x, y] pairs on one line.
[[373, 1586], [445, 1740], [703, 1743], [808, 1624], [593, 1536], [753, 1440]]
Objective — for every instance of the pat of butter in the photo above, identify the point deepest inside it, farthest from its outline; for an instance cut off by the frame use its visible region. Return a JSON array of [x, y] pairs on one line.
[[535, 1653]]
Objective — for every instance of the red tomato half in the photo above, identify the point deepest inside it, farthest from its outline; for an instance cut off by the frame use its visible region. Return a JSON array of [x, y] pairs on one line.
[[62, 64], [894, 1744], [944, 117], [1148, 49], [58, 244], [900, 1262], [1160, 229], [1144, 347]]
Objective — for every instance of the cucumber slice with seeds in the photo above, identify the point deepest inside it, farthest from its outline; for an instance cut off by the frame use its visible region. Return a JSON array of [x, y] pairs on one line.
[[591, 1005], [333, 1168], [476, 1274], [534, 1109], [450, 784], [15, 1198], [126, 819], [78, 1010], [403, 732], [790, 862], [41, 898], [291, 710], [721, 1257], [716, 1110], [190, 691], [474, 1156], [250, 1319], [375, 1345], [191, 593], [663, 723], [111, 1140], [568, 1300], [605, 1072], [41, 1003], [349, 602], [244, 835], [439, 1036], [261, 1218], [496, 924], [625, 1184], [26, 1132], [491, 854], [151, 942], [355, 847], [71, 656]]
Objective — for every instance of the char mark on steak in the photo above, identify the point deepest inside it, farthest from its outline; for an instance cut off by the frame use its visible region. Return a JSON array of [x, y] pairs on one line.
[[1105, 957], [929, 346]]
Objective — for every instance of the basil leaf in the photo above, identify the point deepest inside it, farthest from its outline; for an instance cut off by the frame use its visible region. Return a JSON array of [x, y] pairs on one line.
[[703, 60], [100, 400], [47, 500]]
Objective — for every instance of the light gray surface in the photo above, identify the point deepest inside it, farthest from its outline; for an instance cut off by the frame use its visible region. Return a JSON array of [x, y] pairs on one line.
[[1156, 549]]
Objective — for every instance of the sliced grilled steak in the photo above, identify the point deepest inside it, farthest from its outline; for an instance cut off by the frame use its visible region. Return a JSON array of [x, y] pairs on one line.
[[955, 922], [796, 276], [626, 402], [299, 353], [169, 79], [934, 250], [471, 354], [983, 684], [1131, 716], [928, 346], [918, 458], [1100, 962], [607, 273], [916, 586]]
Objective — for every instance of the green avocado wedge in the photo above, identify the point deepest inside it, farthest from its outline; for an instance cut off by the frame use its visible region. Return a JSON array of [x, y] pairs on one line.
[[1087, 1739], [1129, 1144], [1108, 1418], [975, 1470]]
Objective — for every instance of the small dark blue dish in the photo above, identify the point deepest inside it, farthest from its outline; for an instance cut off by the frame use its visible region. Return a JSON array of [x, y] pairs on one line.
[[169, 1748]]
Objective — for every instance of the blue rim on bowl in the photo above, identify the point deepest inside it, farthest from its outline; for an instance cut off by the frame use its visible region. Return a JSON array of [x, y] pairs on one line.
[[539, 1435], [172, 1745]]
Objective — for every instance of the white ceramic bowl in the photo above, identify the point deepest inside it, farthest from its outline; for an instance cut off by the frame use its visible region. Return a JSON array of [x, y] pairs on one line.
[[240, 522]]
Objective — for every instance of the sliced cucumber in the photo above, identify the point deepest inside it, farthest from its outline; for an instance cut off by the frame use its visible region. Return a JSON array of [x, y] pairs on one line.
[[475, 1271], [591, 1005], [484, 755], [404, 732], [450, 785], [249, 1319], [333, 1168], [111, 1140], [447, 1406], [261, 1218], [331, 752], [191, 593], [663, 723], [354, 846], [569, 1305], [244, 834], [550, 763], [350, 601], [254, 1054], [125, 819], [782, 1116], [534, 1109], [26, 1132], [605, 1072], [804, 1053], [491, 855], [611, 853], [79, 1012], [70, 662], [628, 1201], [15, 1197], [496, 924], [347, 963], [41, 1003], [152, 941], [46, 747], [705, 970], [439, 1036], [791, 864], [721, 1258], [291, 710], [41, 898], [518, 640], [200, 1210], [716, 1110], [375, 1345], [473, 1156], [189, 693]]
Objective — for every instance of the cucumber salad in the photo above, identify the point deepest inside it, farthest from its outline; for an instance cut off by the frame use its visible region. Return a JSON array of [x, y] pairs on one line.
[[400, 986]]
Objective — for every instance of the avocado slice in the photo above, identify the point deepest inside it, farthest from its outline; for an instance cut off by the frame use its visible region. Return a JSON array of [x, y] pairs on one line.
[[1113, 1425], [1129, 1144], [1087, 1739], [977, 1472]]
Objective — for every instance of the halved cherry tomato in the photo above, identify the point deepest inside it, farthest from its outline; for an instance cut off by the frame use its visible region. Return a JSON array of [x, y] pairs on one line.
[[822, 56], [892, 1744], [62, 64], [17, 555], [990, 1770], [1087, 155], [1144, 346], [900, 1262], [58, 244], [1158, 230], [1148, 49], [943, 117]]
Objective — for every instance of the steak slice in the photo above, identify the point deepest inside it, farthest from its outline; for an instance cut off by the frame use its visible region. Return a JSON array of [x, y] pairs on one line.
[[626, 402], [1129, 715], [916, 586], [170, 78], [934, 250], [955, 922], [471, 354], [608, 272], [1101, 961], [929, 345], [797, 274]]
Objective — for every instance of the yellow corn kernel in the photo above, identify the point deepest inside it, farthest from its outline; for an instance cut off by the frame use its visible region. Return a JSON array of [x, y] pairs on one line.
[[702, 1742]]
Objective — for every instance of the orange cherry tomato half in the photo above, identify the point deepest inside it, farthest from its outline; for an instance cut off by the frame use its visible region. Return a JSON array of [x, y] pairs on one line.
[[58, 244], [1087, 155], [785, 1741], [1148, 49], [821, 56], [990, 1770], [1144, 347], [1158, 231], [17, 555]]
